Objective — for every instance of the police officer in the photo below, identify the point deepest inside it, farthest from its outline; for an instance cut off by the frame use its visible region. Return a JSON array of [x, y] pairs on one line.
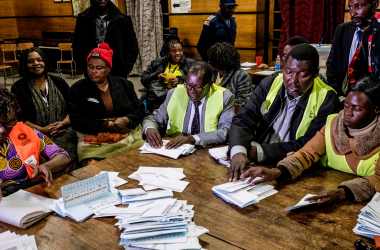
[[220, 27]]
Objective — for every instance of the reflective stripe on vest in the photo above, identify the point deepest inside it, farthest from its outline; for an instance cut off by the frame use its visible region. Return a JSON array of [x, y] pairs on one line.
[[315, 101], [333, 160], [177, 108]]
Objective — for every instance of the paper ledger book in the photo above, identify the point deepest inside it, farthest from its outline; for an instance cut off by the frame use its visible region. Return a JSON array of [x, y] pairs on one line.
[[23, 209]]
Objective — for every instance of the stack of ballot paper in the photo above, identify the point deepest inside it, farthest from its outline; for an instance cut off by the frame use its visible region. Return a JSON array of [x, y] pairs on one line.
[[160, 177], [174, 153], [12, 241], [164, 223], [369, 219], [83, 198], [242, 194], [22, 209], [220, 155]]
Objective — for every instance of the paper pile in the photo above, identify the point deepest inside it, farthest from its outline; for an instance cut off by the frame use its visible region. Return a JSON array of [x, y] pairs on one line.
[[247, 65], [369, 219], [83, 198], [22, 208], [164, 223], [159, 177], [12, 241], [242, 194], [220, 155], [174, 153]]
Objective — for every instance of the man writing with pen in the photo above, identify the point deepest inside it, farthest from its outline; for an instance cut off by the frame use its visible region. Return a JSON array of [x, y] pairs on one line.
[[197, 112]]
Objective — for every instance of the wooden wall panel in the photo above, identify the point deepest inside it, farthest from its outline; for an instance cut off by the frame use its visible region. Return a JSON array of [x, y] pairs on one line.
[[190, 31], [33, 27], [8, 28], [42, 8], [211, 6], [6, 8]]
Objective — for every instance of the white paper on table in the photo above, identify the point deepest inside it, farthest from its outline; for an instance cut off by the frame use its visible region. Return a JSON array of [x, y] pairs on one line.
[[302, 203], [22, 208], [148, 196], [220, 155], [164, 183], [247, 64], [174, 153], [132, 192], [19, 243], [265, 72], [114, 179]]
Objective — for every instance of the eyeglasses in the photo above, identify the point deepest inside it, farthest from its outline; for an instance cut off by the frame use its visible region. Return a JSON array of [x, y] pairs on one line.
[[197, 87], [362, 245]]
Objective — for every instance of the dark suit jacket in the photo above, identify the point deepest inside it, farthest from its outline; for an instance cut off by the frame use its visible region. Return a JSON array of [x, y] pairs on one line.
[[337, 62], [251, 125]]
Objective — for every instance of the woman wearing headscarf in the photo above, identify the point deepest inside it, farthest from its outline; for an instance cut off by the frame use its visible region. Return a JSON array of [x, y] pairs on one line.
[[26, 154], [104, 109], [43, 99], [349, 142]]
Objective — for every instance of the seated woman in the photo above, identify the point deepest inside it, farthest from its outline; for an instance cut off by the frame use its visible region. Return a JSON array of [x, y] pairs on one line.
[[26, 153], [225, 59], [104, 109], [165, 73], [349, 142], [43, 100]]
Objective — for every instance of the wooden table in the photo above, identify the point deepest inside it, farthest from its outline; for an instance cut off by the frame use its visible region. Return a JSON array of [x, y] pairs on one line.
[[262, 226]]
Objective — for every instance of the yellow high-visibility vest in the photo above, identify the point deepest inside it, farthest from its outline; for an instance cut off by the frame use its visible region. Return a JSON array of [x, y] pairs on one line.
[[316, 99], [333, 160], [179, 101]]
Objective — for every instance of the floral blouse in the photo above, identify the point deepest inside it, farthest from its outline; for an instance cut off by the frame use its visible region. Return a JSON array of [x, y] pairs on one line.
[[11, 166]]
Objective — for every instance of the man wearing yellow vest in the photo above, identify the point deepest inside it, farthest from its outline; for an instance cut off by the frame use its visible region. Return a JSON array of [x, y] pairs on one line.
[[349, 142], [284, 112], [197, 112]]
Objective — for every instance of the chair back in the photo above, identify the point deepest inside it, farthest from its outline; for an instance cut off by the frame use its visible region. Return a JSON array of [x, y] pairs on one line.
[[25, 46], [8, 51], [66, 48]]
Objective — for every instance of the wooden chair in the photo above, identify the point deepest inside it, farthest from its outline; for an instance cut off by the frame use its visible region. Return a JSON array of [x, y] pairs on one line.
[[24, 46], [9, 53], [66, 58], [4, 68]]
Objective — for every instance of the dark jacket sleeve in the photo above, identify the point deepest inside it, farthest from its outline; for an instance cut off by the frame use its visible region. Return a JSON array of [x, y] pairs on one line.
[[80, 119], [274, 152], [136, 110], [80, 46], [205, 41], [150, 75], [131, 44], [23, 96], [245, 124]]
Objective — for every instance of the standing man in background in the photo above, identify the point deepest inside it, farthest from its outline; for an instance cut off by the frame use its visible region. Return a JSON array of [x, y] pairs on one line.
[[103, 22], [349, 51], [220, 27]]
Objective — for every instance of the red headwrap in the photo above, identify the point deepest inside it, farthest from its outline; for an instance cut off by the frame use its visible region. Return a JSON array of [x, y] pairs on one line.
[[104, 52]]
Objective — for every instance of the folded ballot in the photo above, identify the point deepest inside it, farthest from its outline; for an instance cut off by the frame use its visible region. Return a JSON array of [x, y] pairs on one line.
[[174, 153], [368, 224], [22, 209], [220, 155], [303, 203], [12, 241], [160, 177], [243, 194]]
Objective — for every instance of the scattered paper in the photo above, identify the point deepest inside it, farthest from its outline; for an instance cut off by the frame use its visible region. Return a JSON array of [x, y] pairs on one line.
[[302, 203], [220, 155], [243, 194], [247, 64], [12, 241], [368, 224], [265, 72], [175, 153]]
